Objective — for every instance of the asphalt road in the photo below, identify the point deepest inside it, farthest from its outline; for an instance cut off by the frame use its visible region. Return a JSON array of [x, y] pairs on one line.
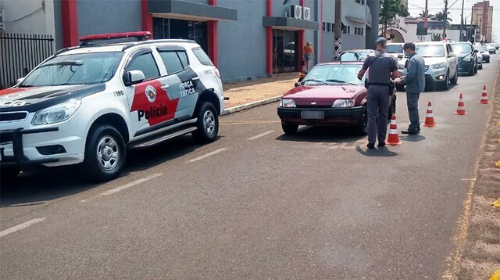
[[257, 204]]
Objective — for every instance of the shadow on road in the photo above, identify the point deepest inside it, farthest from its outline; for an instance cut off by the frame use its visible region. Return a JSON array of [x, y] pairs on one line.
[[47, 184], [379, 152], [413, 138], [322, 134]]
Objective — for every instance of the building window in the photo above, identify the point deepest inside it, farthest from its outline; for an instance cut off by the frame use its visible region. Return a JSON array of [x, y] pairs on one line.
[[329, 27], [324, 26], [348, 30], [358, 1], [363, 2]]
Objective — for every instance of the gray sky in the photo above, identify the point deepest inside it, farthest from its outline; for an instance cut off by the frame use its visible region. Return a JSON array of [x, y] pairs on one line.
[[416, 6]]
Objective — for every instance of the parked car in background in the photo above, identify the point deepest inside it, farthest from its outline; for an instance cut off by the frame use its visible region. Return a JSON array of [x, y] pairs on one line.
[[330, 95], [396, 50], [441, 64], [497, 46], [355, 55], [485, 53], [467, 58], [491, 48], [479, 57]]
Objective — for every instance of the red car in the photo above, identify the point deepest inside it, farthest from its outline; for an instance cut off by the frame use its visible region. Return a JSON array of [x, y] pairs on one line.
[[330, 95]]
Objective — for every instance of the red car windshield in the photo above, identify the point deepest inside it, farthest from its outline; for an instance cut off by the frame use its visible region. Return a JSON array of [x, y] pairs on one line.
[[334, 74]]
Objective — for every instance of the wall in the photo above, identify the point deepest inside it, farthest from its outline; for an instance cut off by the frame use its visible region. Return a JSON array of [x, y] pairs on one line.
[[242, 43], [96, 16], [328, 37], [352, 40], [30, 17]]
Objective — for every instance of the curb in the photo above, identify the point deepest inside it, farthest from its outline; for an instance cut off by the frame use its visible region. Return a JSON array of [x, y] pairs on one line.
[[251, 105]]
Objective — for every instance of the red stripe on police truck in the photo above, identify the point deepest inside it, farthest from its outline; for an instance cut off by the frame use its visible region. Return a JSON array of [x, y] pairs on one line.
[[151, 103]]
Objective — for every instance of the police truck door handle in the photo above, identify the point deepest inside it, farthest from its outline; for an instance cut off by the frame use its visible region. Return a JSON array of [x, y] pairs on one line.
[[195, 78], [164, 86]]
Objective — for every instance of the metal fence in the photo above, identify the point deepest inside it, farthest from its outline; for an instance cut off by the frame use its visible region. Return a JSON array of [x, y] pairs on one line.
[[20, 53]]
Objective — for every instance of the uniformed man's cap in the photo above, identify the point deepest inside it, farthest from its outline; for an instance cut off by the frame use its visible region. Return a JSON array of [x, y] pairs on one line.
[[381, 40]]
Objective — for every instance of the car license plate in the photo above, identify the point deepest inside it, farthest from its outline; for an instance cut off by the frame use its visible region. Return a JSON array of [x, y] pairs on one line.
[[313, 115]]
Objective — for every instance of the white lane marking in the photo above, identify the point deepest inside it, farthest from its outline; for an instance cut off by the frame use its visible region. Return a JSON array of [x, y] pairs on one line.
[[131, 184], [208, 155], [21, 226], [261, 135]]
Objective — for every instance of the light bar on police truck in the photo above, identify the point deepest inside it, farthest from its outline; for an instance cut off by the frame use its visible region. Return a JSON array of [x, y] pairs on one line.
[[139, 35]]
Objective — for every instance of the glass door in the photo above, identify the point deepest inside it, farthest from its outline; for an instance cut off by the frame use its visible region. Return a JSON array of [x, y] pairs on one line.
[[285, 58]]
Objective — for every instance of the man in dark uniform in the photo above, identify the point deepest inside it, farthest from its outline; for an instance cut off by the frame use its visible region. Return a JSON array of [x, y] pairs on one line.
[[382, 68], [415, 84]]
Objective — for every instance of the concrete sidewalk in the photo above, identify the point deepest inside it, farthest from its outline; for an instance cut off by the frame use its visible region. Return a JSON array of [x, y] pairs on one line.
[[245, 92]]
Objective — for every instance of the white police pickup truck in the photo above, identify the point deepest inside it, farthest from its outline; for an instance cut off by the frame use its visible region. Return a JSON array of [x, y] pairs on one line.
[[87, 105]]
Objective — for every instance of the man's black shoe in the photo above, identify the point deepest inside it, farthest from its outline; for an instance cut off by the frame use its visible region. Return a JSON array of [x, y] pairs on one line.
[[371, 146], [411, 132], [381, 144]]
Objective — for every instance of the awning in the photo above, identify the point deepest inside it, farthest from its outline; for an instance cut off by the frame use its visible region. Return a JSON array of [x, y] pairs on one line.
[[289, 23], [356, 19], [189, 10]]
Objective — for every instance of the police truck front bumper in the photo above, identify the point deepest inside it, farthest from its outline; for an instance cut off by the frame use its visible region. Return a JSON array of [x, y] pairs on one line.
[[13, 139]]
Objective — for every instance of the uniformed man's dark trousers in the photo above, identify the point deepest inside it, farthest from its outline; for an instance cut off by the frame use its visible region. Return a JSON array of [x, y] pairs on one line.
[[378, 109], [412, 102]]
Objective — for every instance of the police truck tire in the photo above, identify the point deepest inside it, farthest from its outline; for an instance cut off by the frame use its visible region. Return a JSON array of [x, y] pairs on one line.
[[289, 128], [9, 173], [105, 154], [207, 124]]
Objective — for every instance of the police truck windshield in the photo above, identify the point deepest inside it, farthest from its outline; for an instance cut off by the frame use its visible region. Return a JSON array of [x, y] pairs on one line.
[[430, 50], [88, 68]]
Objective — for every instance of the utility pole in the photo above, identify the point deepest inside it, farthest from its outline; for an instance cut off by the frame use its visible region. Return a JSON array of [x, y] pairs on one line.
[[445, 19], [338, 29], [462, 21], [426, 14]]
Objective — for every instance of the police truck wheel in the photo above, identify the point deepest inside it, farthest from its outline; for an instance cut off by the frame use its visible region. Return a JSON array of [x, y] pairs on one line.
[[8, 174], [105, 154], [289, 128], [207, 124]]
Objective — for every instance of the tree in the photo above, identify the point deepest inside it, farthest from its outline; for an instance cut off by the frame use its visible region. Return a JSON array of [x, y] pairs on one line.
[[441, 17], [389, 9], [422, 15], [436, 37]]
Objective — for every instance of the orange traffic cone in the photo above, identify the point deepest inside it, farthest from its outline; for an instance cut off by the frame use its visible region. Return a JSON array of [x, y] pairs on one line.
[[461, 106], [484, 96], [429, 119], [393, 138]]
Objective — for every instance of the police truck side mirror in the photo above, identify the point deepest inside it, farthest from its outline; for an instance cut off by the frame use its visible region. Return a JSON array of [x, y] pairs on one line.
[[400, 56], [20, 80], [476, 51], [133, 77]]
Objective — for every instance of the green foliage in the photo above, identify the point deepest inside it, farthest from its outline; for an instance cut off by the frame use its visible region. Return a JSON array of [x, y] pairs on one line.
[[390, 9], [422, 15], [436, 37]]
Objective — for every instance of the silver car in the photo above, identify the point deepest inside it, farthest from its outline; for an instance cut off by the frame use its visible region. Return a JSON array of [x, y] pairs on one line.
[[441, 64]]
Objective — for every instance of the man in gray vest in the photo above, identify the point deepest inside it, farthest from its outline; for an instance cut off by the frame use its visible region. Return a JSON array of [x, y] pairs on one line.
[[415, 84], [382, 68]]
